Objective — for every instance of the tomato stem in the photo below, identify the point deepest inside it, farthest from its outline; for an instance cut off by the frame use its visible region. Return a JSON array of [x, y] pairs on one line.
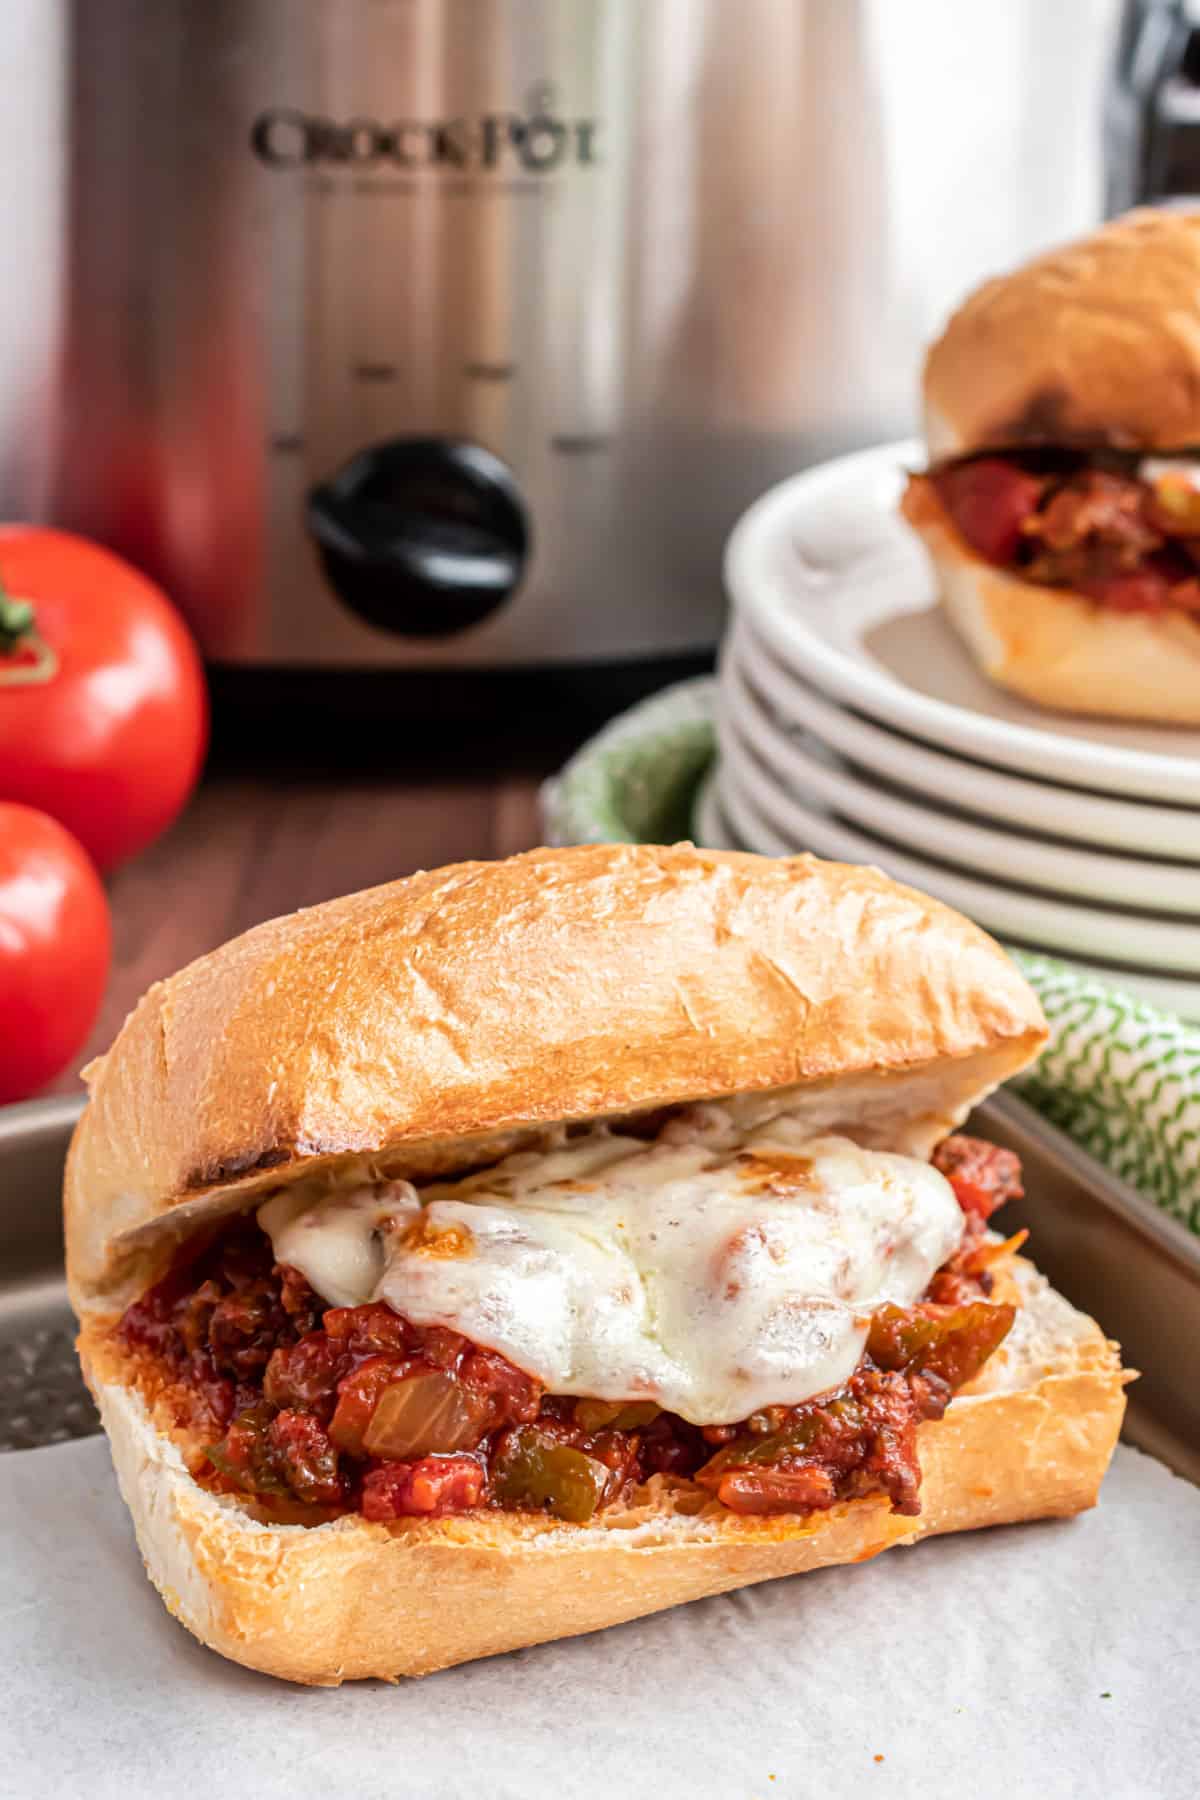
[[16, 622], [33, 659]]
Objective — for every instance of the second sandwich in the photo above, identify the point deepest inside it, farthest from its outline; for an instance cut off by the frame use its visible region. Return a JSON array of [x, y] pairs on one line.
[[1062, 503]]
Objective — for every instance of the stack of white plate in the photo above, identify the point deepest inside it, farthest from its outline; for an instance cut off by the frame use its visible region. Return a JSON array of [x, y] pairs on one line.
[[852, 722]]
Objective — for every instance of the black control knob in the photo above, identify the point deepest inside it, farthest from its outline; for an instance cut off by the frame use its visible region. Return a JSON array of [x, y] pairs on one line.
[[421, 536]]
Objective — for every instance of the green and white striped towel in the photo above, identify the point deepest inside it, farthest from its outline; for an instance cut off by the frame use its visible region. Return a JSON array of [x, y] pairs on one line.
[[1120, 1077]]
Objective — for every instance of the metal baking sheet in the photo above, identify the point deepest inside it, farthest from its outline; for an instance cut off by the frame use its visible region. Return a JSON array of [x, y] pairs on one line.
[[42, 1396], [1121, 1259], [1111, 1252]]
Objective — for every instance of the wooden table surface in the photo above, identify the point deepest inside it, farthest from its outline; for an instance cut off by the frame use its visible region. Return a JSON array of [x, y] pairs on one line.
[[248, 848]]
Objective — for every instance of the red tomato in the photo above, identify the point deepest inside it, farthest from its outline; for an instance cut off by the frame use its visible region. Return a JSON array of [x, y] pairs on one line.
[[55, 944], [989, 501], [109, 734]]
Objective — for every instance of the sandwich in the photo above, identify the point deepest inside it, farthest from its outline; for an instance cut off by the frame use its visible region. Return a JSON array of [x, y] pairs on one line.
[[523, 1247], [1061, 506]]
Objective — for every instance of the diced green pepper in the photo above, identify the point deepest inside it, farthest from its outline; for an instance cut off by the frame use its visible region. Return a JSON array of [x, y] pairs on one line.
[[534, 1469], [745, 1452], [243, 1454], [619, 1415], [953, 1343]]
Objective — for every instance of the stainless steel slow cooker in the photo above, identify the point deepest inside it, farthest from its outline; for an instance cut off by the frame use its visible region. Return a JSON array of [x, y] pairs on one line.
[[452, 335]]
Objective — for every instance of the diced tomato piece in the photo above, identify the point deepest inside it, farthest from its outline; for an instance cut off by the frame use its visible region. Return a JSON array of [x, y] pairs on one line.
[[982, 1175], [431, 1488], [440, 1485], [989, 501], [972, 1197]]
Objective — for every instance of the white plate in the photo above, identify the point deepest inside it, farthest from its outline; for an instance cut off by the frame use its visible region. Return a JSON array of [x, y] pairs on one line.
[[1134, 825], [800, 761], [708, 822], [1125, 936], [1171, 993], [841, 591]]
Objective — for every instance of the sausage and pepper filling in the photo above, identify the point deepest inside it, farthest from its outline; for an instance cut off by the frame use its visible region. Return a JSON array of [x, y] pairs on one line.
[[1121, 530], [329, 1408]]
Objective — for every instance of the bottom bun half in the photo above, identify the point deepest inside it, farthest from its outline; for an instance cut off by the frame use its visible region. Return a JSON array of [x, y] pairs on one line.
[[348, 1600], [1058, 648]]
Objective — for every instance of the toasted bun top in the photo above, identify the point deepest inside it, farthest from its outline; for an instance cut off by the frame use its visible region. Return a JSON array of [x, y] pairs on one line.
[[1095, 344], [433, 1022]]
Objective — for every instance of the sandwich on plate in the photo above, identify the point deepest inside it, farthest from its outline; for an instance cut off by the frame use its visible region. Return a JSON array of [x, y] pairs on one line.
[[526, 1246], [1061, 506]]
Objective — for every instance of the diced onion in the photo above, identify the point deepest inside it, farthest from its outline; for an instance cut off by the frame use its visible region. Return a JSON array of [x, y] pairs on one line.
[[424, 1415]]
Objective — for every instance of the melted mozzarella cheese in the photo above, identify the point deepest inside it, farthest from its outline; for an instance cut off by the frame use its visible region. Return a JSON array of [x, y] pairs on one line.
[[715, 1271], [337, 1241]]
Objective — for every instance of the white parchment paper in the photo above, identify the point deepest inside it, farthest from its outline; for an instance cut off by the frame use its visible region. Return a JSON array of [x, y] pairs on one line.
[[1051, 1659]]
